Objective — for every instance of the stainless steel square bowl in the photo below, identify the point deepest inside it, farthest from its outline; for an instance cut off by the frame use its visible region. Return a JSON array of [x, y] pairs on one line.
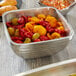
[[43, 48], [64, 68]]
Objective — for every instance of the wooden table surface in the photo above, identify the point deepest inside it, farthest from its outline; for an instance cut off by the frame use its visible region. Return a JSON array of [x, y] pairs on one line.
[[11, 64]]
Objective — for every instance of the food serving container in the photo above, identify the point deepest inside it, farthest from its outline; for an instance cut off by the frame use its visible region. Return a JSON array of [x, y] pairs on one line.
[[64, 68], [65, 10], [43, 48]]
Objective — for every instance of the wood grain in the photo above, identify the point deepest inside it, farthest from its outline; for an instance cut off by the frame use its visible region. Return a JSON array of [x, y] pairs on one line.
[[11, 64]]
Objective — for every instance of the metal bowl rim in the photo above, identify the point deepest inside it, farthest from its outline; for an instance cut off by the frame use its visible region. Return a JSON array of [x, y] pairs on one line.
[[47, 67]]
